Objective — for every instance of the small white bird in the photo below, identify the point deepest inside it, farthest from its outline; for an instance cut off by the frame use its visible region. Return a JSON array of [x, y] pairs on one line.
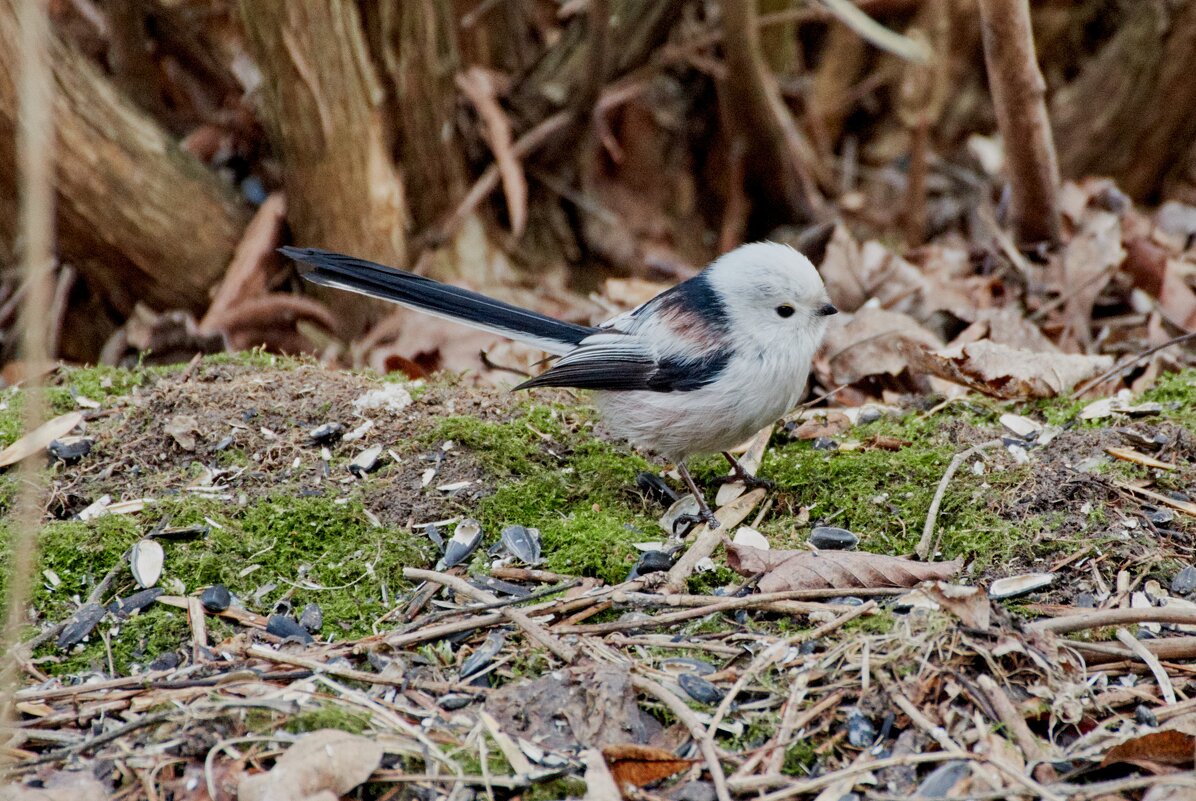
[[698, 369]]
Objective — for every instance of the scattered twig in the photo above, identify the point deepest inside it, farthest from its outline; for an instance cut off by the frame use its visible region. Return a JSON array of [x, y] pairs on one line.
[[1151, 661], [925, 545], [1081, 390], [707, 539], [699, 733], [1099, 618], [534, 630]]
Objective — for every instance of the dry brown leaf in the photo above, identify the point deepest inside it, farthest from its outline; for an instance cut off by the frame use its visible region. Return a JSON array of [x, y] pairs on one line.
[[66, 785], [1088, 264], [641, 765], [1170, 747], [321, 762], [806, 570], [1158, 275], [37, 440], [868, 343], [1005, 372], [884, 442], [969, 604], [832, 425]]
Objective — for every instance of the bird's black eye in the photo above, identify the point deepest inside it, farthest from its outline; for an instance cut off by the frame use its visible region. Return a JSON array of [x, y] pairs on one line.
[[785, 310]]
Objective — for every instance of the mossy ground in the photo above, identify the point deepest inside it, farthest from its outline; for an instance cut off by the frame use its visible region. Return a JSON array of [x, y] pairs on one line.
[[287, 527]]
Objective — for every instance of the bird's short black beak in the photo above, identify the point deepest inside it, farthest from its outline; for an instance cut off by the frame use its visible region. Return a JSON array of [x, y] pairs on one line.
[[826, 310]]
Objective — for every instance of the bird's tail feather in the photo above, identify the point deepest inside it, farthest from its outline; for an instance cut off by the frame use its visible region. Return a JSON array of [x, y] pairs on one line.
[[440, 300]]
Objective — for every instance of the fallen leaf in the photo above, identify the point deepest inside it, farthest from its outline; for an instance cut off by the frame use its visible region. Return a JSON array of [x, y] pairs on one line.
[[587, 705], [869, 343], [831, 425], [806, 570], [1088, 264], [1009, 373], [884, 442], [969, 604], [37, 440], [641, 765], [321, 762], [182, 428], [1170, 747], [66, 785]]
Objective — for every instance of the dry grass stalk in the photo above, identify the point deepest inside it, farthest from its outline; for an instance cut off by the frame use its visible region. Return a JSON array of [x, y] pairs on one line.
[[35, 155]]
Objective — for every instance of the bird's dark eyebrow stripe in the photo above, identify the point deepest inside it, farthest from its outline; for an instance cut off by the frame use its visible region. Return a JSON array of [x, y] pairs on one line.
[[680, 374], [696, 296]]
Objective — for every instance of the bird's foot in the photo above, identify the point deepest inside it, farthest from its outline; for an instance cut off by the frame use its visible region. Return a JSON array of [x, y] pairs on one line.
[[683, 524], [739, 473]]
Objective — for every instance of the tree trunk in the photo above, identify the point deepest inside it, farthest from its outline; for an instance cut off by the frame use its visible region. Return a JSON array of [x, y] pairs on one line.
[[415, 42], [1129, 113], [1018, 91], [322, 105], [169, 247]]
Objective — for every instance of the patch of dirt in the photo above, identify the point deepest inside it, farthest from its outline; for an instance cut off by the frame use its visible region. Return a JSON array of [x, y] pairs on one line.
[[252, 434]]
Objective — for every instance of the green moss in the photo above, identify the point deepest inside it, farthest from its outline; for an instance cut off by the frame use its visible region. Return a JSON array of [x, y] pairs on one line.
[[800, 759], [328, 716], [565, 787]]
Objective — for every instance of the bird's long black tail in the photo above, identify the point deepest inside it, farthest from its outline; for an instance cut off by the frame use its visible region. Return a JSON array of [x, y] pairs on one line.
[[441, 300]]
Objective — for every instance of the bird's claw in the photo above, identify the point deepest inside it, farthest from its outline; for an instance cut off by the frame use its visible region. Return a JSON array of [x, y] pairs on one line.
[[748, 480], [683, 524]]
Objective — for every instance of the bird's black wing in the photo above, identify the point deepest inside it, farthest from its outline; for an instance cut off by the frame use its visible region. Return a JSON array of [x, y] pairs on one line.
[[618, 363]]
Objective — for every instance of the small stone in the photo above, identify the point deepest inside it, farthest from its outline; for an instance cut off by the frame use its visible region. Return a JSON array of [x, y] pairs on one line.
[[651, 562], [327, 433], [216, 598], [366, 461], [1184, 582], [287, 628], [1086, 600], [1144, 716], [824, 444], [696, 791], [1160, 517], [699, 689], [166, 661], [1024, 584], [832, 538], [861, 732], [870, 414], [312, 618], [69, 450], [454, 701]]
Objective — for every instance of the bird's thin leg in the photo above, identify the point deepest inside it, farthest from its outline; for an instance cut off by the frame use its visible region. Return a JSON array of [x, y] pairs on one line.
[[704, 512], [742, 475]]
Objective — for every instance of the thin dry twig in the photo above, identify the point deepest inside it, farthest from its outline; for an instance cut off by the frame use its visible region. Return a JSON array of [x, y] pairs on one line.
[[1082, 389], [706, 539], [697, 731], [534, 630], [1151, 661], [1099, 618], [926, 544]]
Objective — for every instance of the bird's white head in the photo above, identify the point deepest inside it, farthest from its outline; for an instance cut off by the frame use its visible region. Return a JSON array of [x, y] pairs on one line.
[[772, 293]]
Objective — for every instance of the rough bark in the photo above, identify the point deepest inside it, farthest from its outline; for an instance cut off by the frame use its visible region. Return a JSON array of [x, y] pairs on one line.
[[322, 105], [168, 248], [1018, 91], [415, 42], [1129, 113], [565, 72], [779, 157]]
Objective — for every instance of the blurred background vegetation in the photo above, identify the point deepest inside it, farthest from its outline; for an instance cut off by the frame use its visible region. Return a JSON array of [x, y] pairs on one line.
[[537, 148]]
